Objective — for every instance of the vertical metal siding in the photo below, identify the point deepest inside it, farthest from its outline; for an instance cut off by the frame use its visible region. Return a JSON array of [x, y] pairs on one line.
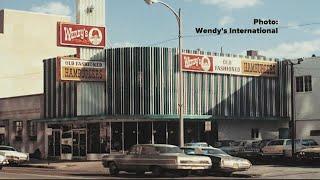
[[58, 96], [89, 92], [214, 94]]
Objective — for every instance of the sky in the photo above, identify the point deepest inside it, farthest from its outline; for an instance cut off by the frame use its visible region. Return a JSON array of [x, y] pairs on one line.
[[134, 23]]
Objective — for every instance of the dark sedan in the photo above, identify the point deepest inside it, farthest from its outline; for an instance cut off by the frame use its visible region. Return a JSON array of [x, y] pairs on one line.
[[221, 161]]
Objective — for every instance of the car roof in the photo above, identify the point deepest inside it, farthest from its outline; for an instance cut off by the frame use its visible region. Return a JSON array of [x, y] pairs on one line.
[[6, 146], [157, 145], [197, 143], [195, 147]]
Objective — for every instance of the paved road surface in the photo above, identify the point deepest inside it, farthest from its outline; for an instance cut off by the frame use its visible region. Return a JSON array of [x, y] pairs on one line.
[[86, 171]]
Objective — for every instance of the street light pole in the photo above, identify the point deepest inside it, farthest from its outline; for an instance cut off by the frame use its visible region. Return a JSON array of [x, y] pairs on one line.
[[181, 95], [181, 122]]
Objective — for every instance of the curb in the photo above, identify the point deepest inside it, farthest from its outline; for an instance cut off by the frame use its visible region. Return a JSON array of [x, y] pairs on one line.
[[38, 166]]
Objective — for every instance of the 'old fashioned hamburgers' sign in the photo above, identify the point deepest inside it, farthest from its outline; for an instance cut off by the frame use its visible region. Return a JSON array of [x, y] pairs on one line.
[[228, 65], [197, 63], [70, 69], [81, 35]]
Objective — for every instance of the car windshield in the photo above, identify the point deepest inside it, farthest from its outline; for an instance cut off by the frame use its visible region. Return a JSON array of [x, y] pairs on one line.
[[7, 149], [213, 151], [168, 149], [197, 144], [235, 143]]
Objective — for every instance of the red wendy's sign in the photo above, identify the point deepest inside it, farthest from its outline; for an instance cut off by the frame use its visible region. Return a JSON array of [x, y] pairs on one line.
[[81, 35], [197, 63]]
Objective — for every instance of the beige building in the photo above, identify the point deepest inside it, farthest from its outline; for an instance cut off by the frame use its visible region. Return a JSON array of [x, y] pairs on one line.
[[26, 38], [307, 98]]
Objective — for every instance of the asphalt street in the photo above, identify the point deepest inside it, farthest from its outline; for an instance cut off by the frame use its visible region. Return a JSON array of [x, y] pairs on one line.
[[98, 172]]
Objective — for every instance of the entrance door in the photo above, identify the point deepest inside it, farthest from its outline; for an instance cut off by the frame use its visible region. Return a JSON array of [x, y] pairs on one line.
[[2, 139], [79, 144], [54, 144]]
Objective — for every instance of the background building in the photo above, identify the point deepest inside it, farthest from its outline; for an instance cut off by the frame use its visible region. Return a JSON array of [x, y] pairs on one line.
[[307, 99], [26, 38]]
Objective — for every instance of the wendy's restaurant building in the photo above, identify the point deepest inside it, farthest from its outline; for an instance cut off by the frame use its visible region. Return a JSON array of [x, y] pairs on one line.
[[226, 97]]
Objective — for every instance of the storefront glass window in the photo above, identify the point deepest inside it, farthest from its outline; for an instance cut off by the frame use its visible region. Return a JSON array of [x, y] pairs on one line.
[[145, 130], [116, 137], [130, 134], [93, 138], [66, 141], [173, 133], [159, 131]]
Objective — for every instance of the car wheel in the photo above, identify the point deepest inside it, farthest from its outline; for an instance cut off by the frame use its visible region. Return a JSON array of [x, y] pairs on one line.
[[156, 171], [184, 173], [113, 169], [140, 173], [227, 174]]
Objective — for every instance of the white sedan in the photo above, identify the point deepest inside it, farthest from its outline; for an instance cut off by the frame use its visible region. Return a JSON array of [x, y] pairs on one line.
[[12, 155], [3, 161]]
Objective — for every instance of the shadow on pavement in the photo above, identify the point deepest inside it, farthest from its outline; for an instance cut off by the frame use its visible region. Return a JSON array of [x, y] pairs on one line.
[[280, 161], [165, 176]]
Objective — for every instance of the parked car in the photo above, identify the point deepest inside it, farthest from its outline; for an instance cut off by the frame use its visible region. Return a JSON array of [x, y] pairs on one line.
[[13, 156], [223, 143], [275, 147], [312, 153], [249, 149], [157, 158], [229, 146], [221, 161], [3, 161], [198, 144], [300, 144]]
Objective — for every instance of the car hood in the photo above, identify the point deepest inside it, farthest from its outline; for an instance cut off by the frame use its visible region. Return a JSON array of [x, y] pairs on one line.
[[14, 153], [226, 157], [315, 149], [195, 157], [2, 158]]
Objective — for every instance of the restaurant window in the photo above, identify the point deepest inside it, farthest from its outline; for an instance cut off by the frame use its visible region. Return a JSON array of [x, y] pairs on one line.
[[254, 133], [93, 138], [32, 130], [18, 127], [303, 84]]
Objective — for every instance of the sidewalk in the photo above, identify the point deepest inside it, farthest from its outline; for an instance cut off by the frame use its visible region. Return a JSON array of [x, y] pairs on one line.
[[65, 165]]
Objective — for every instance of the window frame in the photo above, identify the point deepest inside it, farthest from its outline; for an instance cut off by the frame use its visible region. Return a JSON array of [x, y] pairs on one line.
[[32, 129], [303, 84], [307, 83], [299, 84], [18, 130]]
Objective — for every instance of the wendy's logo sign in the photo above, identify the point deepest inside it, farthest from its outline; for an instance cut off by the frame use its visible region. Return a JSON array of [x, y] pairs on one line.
[[197, 63], [76, 35]]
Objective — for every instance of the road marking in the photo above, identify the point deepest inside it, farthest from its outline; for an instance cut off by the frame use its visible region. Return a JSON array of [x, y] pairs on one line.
[[49, 176]]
